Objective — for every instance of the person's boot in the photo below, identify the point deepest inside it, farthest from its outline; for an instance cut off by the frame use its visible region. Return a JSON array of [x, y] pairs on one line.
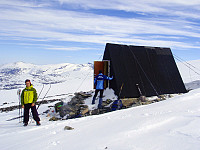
[[93, 100], [100, 103], [25, 124], [38, 123]]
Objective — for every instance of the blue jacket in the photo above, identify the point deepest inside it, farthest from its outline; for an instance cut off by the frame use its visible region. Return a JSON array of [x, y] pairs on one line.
[[99, 81]]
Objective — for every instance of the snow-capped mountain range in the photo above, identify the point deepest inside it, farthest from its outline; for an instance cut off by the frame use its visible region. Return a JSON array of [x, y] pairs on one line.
[[12, 76]]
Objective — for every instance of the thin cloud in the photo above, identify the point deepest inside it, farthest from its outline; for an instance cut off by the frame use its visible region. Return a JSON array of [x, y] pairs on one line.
[[70, 48], [153, 6], [24, 22]]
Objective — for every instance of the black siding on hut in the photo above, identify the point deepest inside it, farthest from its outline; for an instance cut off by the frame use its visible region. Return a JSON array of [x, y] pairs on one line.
[[153, 68]]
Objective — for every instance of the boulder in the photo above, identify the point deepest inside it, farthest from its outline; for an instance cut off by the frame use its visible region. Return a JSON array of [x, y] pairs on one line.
[[67, 109], [54, 119], [107, 102], [146, 103], [84, 109], [75, 108], [129, 102], [142, 98], [85, 95], [162, 97], [94, 112], [68, 128]]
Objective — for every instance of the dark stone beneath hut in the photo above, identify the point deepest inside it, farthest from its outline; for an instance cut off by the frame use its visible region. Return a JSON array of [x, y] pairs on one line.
[[75, 108]]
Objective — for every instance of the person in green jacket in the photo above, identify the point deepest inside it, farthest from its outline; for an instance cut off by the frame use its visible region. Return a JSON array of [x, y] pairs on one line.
[[28, 100]]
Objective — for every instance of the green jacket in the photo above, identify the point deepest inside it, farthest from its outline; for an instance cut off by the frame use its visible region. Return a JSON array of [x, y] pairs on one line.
[[29, 95]]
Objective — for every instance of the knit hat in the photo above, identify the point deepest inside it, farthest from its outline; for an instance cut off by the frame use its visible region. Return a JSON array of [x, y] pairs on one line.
[[27, 80]]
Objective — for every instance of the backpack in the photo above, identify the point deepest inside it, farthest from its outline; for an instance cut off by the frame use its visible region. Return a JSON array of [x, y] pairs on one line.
[[116, 105], [58, 105]]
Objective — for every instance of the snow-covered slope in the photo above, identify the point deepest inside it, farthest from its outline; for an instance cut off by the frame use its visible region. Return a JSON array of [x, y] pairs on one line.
[[168, 125], [172, 124]]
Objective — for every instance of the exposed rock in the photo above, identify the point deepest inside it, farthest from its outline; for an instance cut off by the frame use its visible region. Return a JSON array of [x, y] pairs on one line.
[[68, 128], [142, 98], [75, 107], [107, 102], [84, 109], [104, 110], [11, 108], [128, 102], [85, 95], [157, 100], [100, 111], [162, 97], [94, 112], [146, 103], [54, 119]]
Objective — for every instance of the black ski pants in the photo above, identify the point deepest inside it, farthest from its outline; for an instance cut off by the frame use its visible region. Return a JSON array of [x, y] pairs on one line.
[[27, 107], [97, 91]]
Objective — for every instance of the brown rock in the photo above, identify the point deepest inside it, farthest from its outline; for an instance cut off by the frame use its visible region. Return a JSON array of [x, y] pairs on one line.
[[54, 119], [68, 128], [129, 102], [84, 111]]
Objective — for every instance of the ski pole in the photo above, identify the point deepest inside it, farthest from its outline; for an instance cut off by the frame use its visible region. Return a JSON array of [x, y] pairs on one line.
[[140, 92], [121, 90], [44, 97], [18, 93], [40, 91]]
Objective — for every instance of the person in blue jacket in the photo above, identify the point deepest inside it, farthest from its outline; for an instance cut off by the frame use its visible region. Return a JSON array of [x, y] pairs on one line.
[[99, 82]]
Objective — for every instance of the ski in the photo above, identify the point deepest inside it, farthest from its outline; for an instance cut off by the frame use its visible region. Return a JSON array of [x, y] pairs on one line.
[[15, 118]]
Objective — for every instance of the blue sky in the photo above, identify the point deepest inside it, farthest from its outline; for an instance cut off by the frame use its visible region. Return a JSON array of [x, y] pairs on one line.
[[60, 31]]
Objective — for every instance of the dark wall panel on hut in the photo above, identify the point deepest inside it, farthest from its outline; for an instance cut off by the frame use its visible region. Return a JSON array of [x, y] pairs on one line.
[[153, 68]]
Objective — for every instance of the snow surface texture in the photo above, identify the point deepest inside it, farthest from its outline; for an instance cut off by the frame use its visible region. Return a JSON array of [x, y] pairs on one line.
[[172, 124], [168, 125]]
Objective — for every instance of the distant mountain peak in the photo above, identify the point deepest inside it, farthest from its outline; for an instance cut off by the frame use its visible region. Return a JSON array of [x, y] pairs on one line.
[[12, 75]]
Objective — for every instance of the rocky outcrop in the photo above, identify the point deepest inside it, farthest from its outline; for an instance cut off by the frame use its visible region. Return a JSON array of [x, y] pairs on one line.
[[142, 100], [11, 108], [75, 108]]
